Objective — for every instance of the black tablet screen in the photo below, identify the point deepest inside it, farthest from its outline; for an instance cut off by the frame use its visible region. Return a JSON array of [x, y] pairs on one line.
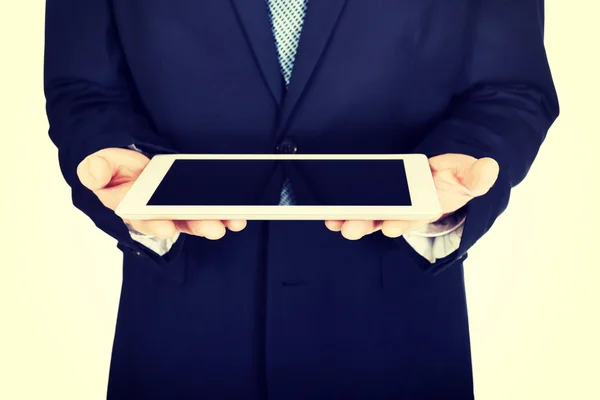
[[241, 182]]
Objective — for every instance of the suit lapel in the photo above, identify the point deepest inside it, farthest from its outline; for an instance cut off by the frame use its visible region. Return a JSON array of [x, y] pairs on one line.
[[254, 18], [320, 20]]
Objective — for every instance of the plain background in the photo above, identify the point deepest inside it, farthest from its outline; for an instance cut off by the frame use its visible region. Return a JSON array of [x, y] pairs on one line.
[[532, 280]]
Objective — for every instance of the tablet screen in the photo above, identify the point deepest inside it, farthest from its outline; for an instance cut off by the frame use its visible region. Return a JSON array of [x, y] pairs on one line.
[[233, 182]]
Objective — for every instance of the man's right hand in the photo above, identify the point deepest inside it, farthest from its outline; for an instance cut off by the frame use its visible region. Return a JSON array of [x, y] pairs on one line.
[[111, 172]]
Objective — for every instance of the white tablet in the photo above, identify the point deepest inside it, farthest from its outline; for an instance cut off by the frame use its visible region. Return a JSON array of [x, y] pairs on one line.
[[350, 187]]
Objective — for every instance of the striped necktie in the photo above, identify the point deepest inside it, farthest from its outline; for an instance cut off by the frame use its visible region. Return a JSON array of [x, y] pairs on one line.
[[287, 17]]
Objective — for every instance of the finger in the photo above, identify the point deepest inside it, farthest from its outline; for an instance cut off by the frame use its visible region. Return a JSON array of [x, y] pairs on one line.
[[451, 161], [481, 176], [394, 229], [212, 230], [183, 226], [112, 196], [94, 172], [98, 170], [354, 230], [334, 226], [124, 161], [162, 229], [235, 225]]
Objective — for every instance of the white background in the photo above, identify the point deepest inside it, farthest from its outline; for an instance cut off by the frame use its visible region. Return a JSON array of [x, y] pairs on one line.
[[532, 281]]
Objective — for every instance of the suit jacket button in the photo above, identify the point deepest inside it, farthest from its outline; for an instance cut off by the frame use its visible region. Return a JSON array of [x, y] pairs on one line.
[[287, 147]]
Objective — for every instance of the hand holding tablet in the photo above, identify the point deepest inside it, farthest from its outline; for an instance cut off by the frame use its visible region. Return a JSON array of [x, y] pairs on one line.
[[110, 173], [458, 179]]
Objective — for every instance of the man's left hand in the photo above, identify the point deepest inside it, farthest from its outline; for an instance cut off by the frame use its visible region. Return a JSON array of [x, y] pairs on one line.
[[458, 179]]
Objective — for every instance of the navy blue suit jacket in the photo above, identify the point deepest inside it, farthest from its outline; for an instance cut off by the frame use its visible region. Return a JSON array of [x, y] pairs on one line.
[[290, 310]]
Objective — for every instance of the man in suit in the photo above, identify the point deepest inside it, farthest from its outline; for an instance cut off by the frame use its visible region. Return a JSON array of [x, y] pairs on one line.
[[296, 310]]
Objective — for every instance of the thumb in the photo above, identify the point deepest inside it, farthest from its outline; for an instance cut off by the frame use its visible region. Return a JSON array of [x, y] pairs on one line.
[[95, 172], [481, 176]]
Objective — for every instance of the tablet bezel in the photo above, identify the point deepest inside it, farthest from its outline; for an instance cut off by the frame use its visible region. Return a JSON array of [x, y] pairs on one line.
[[425, 203]]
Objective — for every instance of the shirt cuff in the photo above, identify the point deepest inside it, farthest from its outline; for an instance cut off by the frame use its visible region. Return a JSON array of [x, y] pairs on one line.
[[135, 148], [157, 245], [438, 239], [444, 226]]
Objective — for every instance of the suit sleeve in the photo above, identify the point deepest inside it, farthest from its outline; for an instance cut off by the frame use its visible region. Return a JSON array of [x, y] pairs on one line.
[[503, 110], [91, 103]]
